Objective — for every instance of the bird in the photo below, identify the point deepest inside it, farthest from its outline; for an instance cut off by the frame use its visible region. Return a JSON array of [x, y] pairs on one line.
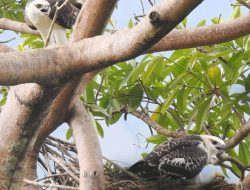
[[179, 158], [38, 15]]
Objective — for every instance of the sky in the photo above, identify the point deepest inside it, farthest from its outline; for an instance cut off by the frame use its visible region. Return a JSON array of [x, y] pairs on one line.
[[125, 141]]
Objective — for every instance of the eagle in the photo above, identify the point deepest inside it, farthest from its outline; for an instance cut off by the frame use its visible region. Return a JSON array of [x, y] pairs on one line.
[[179, 158], [38, 15]]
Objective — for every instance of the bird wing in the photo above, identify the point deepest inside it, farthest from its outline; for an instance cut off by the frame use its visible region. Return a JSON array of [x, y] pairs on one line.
[[67, 15], [145, 171], [161, 150], [183, 162]]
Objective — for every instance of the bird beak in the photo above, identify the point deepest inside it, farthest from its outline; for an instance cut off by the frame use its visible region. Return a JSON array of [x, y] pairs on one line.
[[222, 147]]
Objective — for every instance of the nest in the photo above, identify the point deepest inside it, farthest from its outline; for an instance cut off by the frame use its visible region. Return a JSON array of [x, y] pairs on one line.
[[118, 178], [65, 171]]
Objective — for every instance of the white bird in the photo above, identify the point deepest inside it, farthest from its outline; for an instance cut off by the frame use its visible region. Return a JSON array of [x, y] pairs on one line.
[[180, 158], [40, 13]]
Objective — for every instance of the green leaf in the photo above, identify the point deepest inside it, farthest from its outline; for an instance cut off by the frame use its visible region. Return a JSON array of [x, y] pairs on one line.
[[157, 139], [149, 70], [125, 80], [202, 113], [184, 22], [3, 101], [114, 118], [144, 154], [170, 97], [69, 133], [224, 170], [135, 98], [236, 121], [220, 51], [138, 71], [130, 23], [97, 108], [99, 129], [236, 12], [202, 23], [115, 104]]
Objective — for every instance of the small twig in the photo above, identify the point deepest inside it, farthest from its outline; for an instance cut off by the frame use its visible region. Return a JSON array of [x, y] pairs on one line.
[[141, 115], [151, 3], [120, 183], [99, 89], [143, 12], [242, 167], [60, 162], [52, 176], [125, 171], [54, 20], [34, 183], [242, 133]]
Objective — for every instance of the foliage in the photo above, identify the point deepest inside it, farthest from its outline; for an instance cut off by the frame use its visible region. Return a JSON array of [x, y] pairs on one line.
[[193, 89], [197, 89]]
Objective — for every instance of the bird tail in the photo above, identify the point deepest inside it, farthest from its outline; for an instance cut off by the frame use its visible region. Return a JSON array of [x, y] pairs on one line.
[[144, 170]]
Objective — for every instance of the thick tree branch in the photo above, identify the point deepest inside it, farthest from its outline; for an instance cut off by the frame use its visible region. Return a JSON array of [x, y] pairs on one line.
[[8, 24], [81, 57], [5, 49], [188, 38], [141, 115], [242, 133], [88, 149], [17, 133], [69, 91], [205, 35]]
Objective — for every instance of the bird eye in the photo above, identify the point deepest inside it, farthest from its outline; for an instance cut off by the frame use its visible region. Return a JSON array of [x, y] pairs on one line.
[[214, 142], [38, 6]]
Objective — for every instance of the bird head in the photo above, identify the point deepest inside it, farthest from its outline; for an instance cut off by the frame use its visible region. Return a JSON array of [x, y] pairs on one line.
[[37, 10], [213, 146]]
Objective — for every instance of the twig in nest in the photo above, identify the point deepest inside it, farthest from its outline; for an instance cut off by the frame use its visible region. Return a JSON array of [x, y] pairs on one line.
[[113, 185], [34, 183], [125, 171]]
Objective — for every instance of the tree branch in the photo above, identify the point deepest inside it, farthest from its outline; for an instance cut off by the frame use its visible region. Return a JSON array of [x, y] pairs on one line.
[[242, 133], [184, 38], [88, 149], [81, 57], [204, 35], [243, 2], [70, 91], [141, 115], [39, 184], [7, 24]]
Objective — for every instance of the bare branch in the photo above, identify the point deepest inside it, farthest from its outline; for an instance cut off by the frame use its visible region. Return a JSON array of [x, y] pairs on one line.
[[242, 167], [57, 63], [39, 184], [154, 125], [5, 49], [88, 149], [104, 8], [205, 35], [7, 24], [243, 2], [242, 133]]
